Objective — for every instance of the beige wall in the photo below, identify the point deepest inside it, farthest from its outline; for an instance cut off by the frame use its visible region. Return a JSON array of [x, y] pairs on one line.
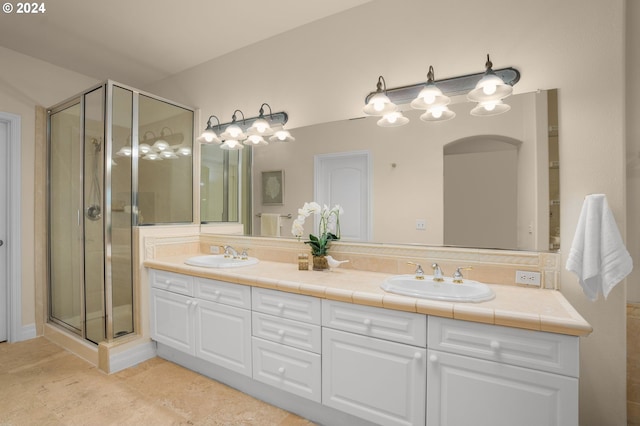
[[321, 72], [24, 83]]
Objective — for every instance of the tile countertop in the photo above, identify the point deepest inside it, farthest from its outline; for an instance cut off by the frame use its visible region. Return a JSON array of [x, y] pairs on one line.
[[527, 308]]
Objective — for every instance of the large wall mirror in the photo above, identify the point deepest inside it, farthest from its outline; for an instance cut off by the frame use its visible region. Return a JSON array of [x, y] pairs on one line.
[[486, 182]]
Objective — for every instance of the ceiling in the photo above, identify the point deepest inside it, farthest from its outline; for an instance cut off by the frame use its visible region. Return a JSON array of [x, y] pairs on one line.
[[139, 42]]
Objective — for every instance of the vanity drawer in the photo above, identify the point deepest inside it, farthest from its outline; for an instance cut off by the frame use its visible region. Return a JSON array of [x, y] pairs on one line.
[[397, 326], [555, 353], [286, 305], [286, 368], [226, 293], [170, 281], [298, 334]]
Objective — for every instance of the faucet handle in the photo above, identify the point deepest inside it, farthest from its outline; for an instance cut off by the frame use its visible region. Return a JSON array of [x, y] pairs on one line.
[[419, 271], [437, 273], [457, 276], [244, 255]]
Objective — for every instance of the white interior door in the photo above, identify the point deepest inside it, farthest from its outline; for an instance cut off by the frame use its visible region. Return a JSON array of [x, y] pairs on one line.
[[4, 167], [345, 179]]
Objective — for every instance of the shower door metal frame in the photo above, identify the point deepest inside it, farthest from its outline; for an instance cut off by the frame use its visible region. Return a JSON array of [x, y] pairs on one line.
[[76, 100]]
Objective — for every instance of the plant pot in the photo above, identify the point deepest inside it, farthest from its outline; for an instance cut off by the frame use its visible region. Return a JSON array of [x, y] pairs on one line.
[[320, 263]]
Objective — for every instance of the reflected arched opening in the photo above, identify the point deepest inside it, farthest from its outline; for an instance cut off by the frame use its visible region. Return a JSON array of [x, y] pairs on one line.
[[481, 175]]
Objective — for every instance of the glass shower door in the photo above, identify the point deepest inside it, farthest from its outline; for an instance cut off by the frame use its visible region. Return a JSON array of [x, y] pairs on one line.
[[65, 218], [94, 216]]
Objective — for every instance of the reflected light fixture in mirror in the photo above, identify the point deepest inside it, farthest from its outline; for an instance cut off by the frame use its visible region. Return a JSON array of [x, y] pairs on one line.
[[168, 146], [247, 131]]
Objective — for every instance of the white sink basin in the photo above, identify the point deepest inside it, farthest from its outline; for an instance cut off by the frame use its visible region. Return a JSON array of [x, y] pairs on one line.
[[219, 261], [467, 291]]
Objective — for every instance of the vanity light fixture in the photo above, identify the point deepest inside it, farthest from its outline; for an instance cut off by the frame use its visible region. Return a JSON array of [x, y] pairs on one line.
[[247, 131], [393, 119], [209, 135], [488, 89], [490, 108], [281, 135], [430, 96], [433, 100], [438, 113], [380, 105], [261, 126]]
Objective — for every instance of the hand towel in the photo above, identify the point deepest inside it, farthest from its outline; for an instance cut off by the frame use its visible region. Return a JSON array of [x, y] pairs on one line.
[[270, 225], [598, 256]]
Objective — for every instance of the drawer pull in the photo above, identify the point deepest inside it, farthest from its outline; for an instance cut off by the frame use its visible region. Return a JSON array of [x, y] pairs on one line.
[[216, 294], [195, 303], [367, 322], [280, 306], [280, 333], [495, 345], [281, 370], [167, 282], [433, 358], [188, 302], [417, 355]]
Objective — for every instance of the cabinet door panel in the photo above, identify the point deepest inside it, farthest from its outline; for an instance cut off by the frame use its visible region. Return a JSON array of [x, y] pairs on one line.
[[464, 391], [223, 292], [287, 368], [223, 336], [297, 307], [397, 326], [380, 381], [172, 320], [176, 283], [298, 334], [555, 353]]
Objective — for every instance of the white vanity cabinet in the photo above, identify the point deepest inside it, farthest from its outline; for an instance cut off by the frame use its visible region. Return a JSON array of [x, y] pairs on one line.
[[345, 363], [374, 363], [213, 323], [171, 310], [491, 375], [286, 342]]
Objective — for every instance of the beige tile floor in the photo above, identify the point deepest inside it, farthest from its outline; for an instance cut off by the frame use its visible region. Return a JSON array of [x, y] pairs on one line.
[[42, 384]]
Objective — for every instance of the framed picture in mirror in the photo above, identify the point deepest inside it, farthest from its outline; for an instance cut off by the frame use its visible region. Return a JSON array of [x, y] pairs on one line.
[[273, 188]]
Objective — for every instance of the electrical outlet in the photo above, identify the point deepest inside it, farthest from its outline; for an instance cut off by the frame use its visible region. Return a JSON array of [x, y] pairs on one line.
[[528, 278], [214, 249], [421, 224]]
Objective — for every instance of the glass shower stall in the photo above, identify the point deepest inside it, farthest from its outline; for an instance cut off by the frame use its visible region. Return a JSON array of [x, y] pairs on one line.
[[118, 158]]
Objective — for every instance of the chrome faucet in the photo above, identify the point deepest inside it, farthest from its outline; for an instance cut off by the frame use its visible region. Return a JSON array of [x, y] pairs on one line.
[[230, 252], [437, 273], [419, 272]]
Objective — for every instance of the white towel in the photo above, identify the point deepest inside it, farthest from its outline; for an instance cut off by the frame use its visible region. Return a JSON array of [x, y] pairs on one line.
[[598, 256], [270, 225]]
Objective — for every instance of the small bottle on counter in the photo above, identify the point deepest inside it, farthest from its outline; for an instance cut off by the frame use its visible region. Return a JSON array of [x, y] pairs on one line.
[[303, 261]]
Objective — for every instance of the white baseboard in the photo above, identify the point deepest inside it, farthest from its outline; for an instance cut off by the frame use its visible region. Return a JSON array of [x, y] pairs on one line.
[[26, 332], [130, 357]]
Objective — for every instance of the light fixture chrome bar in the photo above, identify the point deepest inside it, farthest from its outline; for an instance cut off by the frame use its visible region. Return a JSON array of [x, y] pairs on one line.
[[449, 86]]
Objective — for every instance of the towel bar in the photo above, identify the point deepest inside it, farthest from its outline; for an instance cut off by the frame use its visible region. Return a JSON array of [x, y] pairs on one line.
[[288, 216]]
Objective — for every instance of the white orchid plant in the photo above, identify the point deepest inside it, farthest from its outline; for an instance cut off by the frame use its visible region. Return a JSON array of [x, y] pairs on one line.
[[328, 229]]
